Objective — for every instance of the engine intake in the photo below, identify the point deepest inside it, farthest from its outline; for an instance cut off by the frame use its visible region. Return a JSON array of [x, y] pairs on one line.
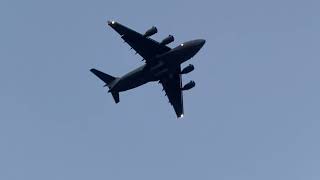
[[167, 40], [188, 86], [187, 69], [150, 32]]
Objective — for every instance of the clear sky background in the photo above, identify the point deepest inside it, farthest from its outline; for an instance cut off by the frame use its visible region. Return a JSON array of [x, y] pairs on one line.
[[254, 113]]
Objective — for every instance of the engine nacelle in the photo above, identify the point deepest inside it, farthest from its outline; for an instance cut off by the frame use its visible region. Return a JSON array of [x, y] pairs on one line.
[[167, 40], [189, 85], [150, 32], [187, 69]]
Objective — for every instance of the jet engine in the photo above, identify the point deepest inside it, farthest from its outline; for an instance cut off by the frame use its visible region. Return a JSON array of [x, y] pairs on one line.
[[187, 69], [150, 32], [167, 40], [189, 85]]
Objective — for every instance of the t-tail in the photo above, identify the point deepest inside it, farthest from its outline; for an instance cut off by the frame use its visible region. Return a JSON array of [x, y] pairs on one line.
[[109, 80]]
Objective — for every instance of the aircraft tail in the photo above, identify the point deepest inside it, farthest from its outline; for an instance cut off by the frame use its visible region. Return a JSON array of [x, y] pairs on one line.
[[108, 79], [103, 76], [115, 96]]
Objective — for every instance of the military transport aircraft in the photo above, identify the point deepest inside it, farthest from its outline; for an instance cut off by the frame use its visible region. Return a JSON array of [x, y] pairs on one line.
[[162, 64]]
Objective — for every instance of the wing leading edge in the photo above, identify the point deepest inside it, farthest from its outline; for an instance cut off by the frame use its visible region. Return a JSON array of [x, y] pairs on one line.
[[145, 46]]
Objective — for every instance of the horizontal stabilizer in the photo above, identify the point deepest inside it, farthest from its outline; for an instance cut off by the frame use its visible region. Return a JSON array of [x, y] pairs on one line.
[[108, 79], [103, 76], [115, 96]]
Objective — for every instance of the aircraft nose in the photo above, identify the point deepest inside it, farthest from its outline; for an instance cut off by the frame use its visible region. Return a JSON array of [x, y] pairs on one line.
[[197, 44], [201, 42]]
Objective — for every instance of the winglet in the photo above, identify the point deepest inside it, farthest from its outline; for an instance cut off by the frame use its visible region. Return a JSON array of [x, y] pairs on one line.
[[111, 22]]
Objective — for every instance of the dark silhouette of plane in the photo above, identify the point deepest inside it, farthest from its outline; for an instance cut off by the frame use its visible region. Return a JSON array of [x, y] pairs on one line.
[[162, 64]]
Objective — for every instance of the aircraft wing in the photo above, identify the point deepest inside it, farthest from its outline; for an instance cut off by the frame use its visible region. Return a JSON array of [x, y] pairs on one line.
[[145, 46], [172, 85]]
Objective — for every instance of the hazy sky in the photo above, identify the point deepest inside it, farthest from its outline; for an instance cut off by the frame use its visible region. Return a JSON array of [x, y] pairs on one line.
[[254, 113]]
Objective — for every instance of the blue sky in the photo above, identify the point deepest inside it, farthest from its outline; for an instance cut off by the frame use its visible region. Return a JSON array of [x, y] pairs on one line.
[[254, 113]]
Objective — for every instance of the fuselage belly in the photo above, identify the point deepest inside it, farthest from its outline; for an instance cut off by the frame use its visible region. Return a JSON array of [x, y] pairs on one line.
[[165, 64]]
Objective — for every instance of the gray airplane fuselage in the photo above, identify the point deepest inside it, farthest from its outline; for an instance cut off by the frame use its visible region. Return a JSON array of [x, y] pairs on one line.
[[163, 65]]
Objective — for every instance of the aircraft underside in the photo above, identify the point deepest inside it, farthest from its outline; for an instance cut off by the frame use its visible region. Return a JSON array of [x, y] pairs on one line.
[[162, 64]]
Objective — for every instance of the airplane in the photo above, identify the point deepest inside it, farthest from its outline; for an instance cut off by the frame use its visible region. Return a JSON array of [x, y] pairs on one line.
[[162, 64]]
